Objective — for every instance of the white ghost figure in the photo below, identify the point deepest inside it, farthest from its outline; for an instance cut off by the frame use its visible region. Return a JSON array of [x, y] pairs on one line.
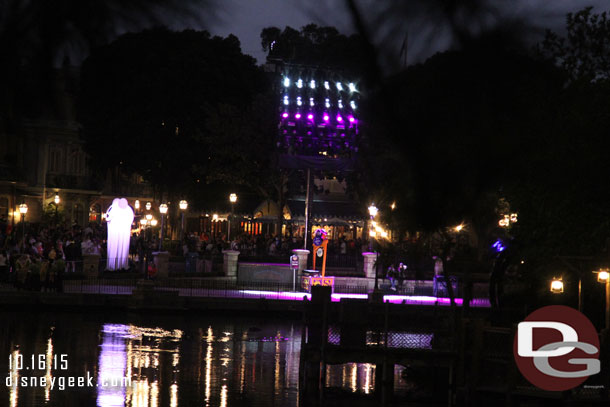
[[119, 217]]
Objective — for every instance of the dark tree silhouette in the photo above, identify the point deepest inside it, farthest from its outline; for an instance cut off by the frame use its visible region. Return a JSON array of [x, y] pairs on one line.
[[37, 36], [584, 51], [147, 100]]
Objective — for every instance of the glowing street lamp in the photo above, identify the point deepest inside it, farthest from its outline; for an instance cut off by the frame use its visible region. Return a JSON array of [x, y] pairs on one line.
[[373, 211], [163, 210], [137, 204], [148, 206], [56, 201], [232, 199], [182, 205], [149, 217], [459, 228], [23, 209], [557, 286]]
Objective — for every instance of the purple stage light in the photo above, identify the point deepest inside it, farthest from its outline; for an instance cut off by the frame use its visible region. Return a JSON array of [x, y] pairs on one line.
[[351, 119], [326, 118], [297, 116], [310, 116], [285, 115], [339, 118]]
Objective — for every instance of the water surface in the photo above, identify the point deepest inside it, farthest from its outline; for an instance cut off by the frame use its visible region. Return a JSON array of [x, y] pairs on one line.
[[149, 360]]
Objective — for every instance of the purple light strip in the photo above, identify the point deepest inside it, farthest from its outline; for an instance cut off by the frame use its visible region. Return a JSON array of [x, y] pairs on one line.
[[394, 299]]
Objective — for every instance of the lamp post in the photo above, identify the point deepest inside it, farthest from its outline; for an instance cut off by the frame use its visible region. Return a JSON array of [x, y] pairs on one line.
[[56, 200], [23, 209], [232, 199], [163, 210], [183, 206], [373, 212]]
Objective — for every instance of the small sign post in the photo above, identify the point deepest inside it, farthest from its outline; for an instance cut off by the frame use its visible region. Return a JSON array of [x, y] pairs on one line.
[[294, 265]]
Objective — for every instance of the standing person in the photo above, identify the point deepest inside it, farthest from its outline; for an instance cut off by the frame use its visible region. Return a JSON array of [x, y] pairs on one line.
[[59, 250], [343, 246], [78, 253], [22, 269], [391, 275], [86, 245], [402, 274], [438, 274], [69, 252]]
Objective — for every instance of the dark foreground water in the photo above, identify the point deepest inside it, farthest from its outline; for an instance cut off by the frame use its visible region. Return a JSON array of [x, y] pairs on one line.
[[149, 361]]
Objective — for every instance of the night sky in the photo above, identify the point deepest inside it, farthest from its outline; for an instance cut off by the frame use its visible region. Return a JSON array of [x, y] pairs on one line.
[[246, 19]]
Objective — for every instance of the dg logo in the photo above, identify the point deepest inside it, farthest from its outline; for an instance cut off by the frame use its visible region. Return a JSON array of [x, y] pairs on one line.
[[556, 348]]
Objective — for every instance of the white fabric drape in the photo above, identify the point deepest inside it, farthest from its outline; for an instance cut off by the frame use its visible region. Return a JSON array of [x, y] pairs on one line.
[[119, 218]]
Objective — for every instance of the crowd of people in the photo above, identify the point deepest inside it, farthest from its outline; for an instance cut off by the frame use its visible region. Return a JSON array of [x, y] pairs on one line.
[[263, 245], [40, 257]]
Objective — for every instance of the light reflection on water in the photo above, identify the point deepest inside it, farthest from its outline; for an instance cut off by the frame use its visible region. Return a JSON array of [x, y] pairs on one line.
[[212, 363], [355, 377], [166, 361]]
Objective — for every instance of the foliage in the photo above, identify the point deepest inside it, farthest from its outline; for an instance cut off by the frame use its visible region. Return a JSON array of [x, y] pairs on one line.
[[583, 51], [447, 132], [314, 45], [147, 100], [53, 215]]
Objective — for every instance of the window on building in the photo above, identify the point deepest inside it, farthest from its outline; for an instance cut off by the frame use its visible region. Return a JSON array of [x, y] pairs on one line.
[[74, 161], [55, 159]]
